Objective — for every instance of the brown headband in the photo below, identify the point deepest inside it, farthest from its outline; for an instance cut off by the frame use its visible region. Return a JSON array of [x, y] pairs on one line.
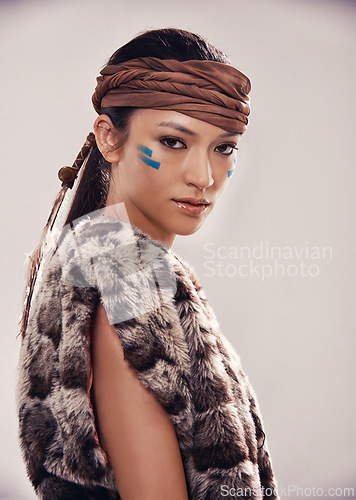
[[210, 91]]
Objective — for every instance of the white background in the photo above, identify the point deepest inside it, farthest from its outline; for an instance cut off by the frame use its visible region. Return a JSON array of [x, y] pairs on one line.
[[294, 187]]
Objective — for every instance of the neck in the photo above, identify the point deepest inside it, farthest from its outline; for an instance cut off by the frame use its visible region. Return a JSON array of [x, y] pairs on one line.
[[121, 211]]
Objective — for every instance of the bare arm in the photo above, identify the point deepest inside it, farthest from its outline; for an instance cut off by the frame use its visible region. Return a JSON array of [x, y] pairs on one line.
[[134, 429]]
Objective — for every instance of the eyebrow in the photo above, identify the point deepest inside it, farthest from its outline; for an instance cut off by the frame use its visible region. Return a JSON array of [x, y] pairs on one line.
[[181, 128]]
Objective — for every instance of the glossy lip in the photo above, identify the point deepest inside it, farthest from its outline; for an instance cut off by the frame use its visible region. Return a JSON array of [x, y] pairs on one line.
[[193, 201], [191, 208]]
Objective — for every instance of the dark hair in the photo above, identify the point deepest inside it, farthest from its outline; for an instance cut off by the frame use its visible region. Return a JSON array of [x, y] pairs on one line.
[[93, 187]]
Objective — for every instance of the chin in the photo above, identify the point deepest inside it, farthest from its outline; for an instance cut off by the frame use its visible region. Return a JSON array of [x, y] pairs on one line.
[[188, 228]]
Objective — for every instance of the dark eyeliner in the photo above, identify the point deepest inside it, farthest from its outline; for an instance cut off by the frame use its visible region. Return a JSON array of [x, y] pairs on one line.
[[162, 139], [232, 146]]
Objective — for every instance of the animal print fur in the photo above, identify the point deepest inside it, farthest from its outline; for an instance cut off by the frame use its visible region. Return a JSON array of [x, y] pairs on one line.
[[170, 336]]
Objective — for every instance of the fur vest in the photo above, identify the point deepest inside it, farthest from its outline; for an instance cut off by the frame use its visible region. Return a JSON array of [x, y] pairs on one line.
[[170, 336]]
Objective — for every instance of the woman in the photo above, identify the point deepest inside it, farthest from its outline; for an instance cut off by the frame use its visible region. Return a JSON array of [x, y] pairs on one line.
[[127, 387]]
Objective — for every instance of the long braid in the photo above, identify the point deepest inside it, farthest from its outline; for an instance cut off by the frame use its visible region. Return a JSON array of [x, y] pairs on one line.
[[67, 175]]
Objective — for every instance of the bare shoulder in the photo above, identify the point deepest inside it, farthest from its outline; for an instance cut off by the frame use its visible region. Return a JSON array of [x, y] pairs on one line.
[[133, 427]]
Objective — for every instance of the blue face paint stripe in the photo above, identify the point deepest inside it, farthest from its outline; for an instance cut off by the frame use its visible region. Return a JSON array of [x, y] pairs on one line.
[[144, 149], [149, 162], [230, 172]]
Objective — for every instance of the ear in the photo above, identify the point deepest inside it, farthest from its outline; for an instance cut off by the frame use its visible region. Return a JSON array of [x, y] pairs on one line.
[[106, 136]]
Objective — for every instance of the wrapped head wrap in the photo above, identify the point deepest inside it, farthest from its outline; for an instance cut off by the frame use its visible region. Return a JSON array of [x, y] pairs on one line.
[[211, 91]]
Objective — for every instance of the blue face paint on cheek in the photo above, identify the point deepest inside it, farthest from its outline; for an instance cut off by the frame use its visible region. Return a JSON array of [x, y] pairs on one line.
[[230, 172], [144, 149], [149, 162], [147, 159]]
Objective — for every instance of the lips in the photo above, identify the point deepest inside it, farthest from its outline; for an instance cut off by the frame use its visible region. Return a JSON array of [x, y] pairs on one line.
[[193, 201], [192, 206]]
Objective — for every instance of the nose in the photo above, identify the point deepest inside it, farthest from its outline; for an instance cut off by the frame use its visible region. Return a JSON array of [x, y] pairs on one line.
[[197, 169]]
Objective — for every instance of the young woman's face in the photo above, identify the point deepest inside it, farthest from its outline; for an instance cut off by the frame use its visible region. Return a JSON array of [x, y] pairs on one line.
[[169, 158]]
